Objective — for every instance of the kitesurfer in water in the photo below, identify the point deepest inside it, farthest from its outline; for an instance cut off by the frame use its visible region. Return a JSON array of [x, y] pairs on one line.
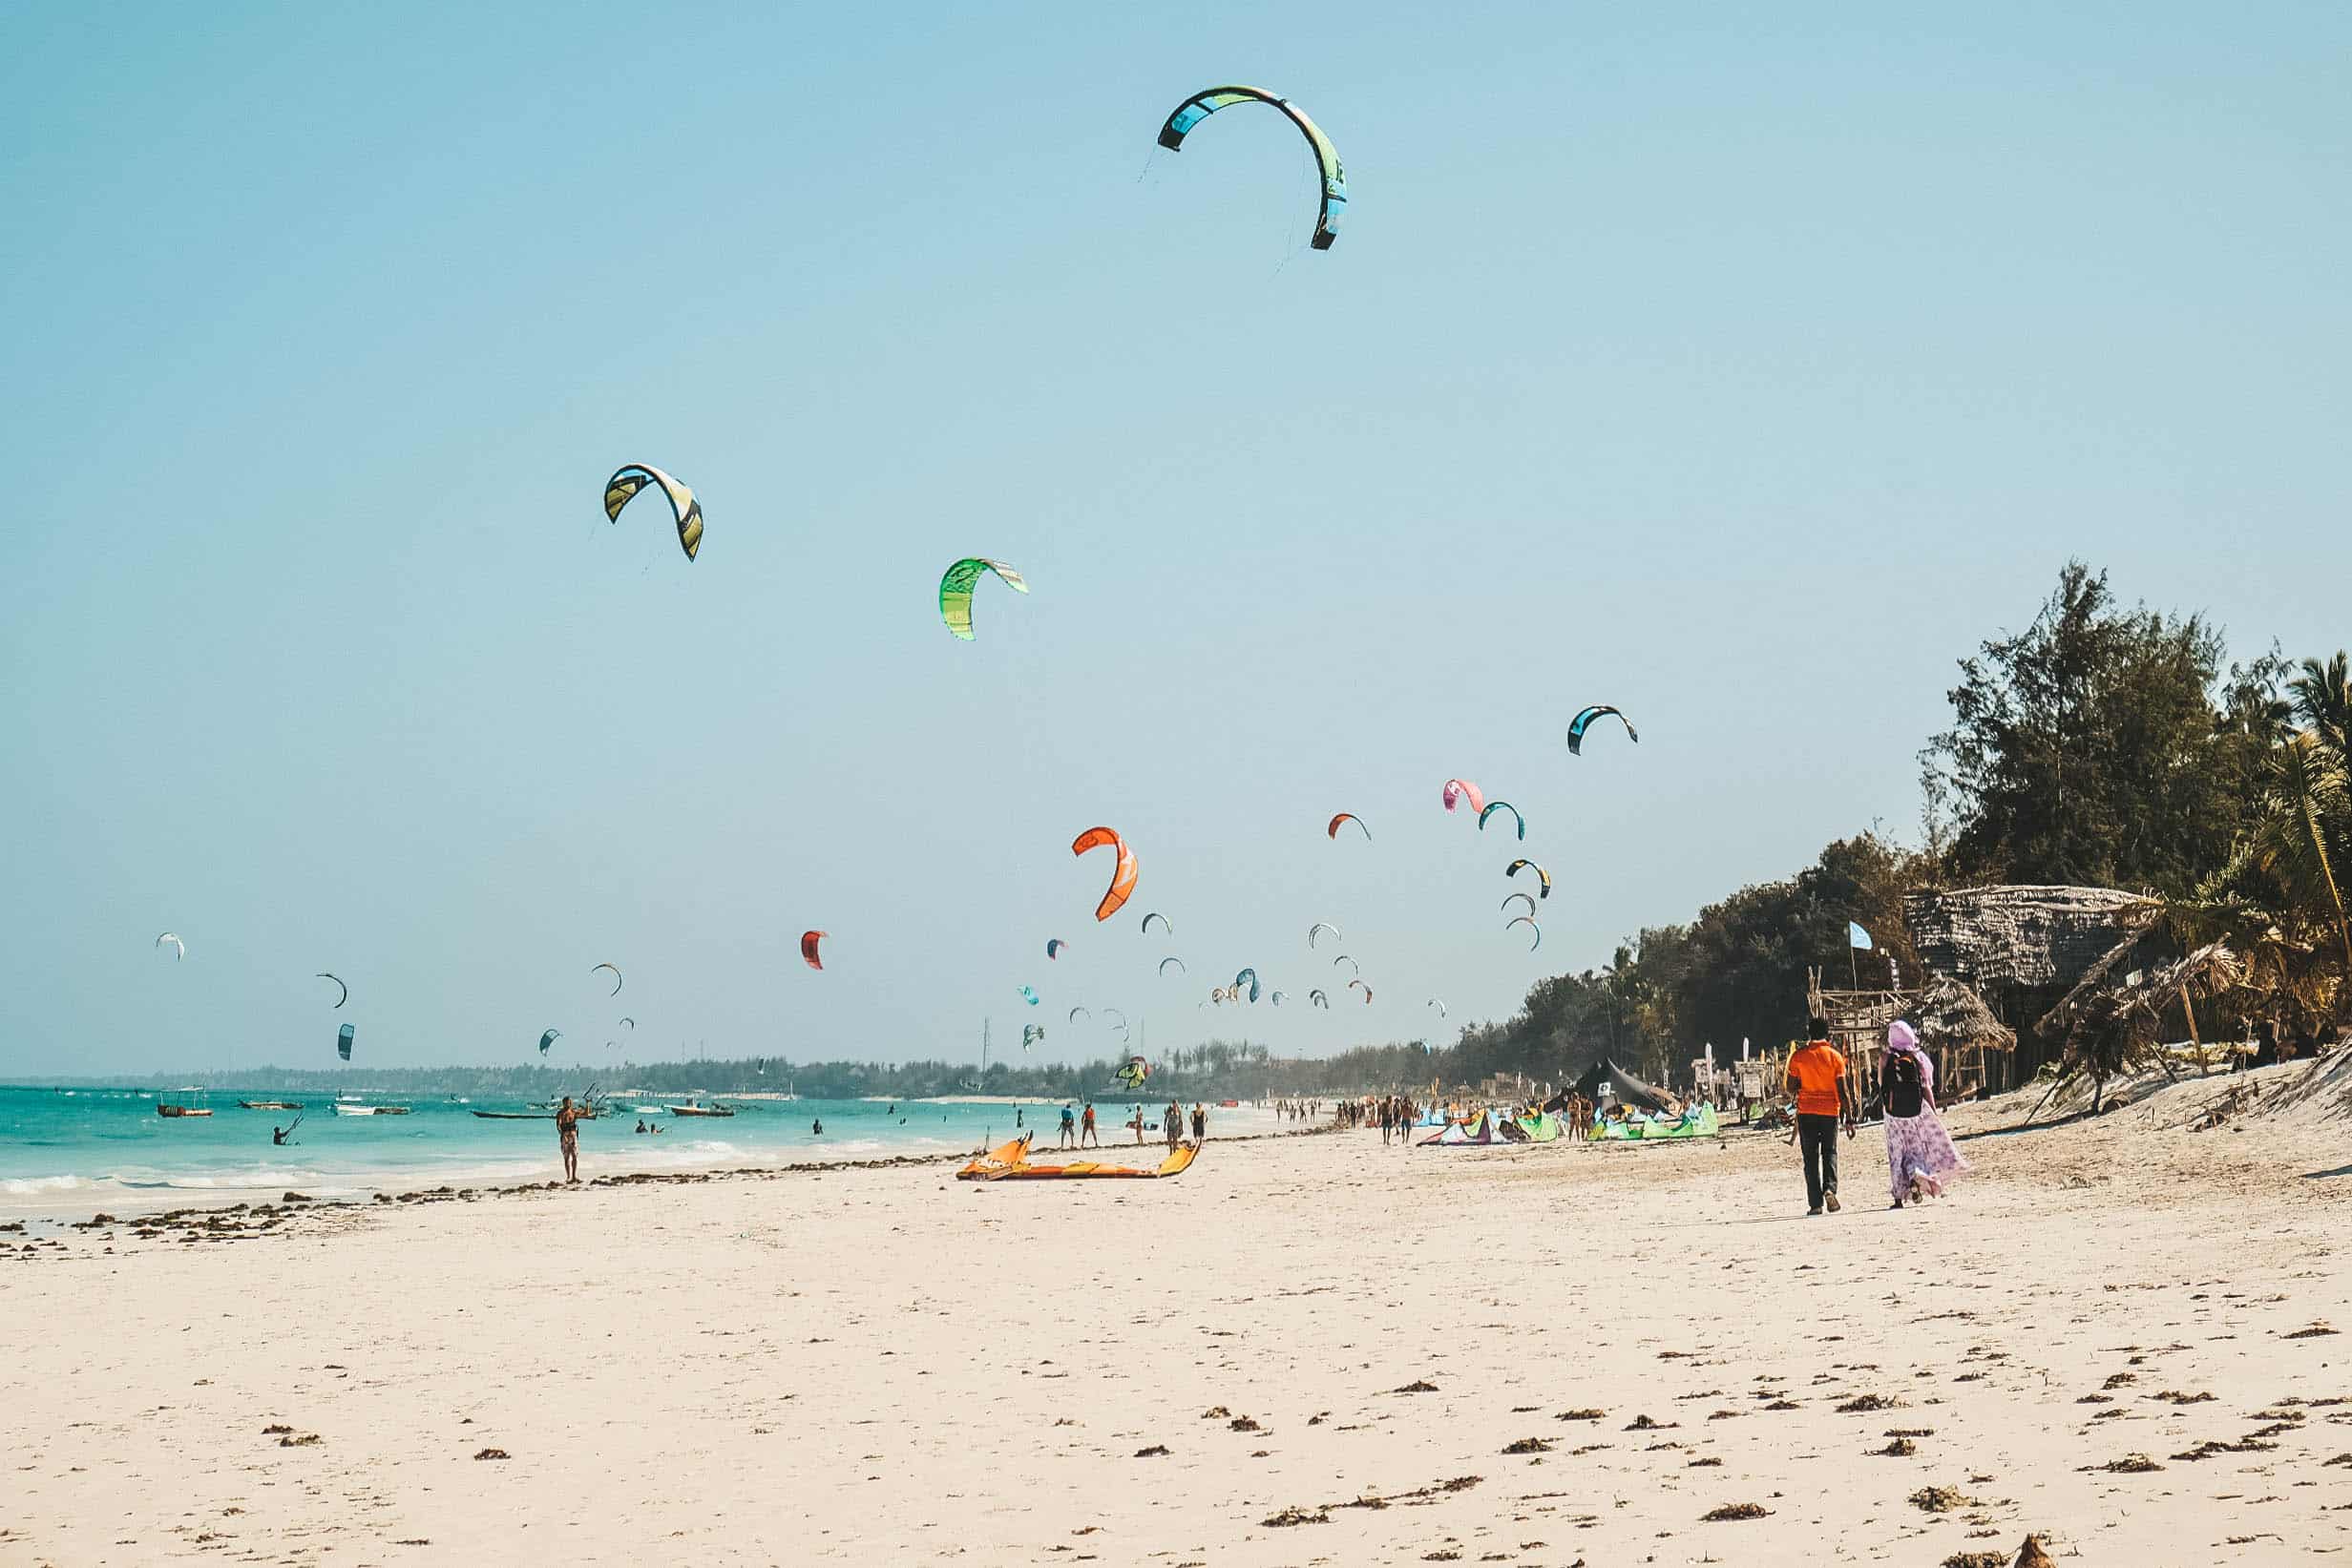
[[567, 1137], [816, 1127], [281, 1137]]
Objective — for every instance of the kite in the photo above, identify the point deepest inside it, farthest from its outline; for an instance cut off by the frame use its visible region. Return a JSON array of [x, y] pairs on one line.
[[346, 989], [1122, 1024], [1438, 1002], [636, 476], [1030, 1033], [1073, 1013], [1276, 999], [177, 942], [343, 1042], [1202, 104], [1528, 921], [1053, 946], [1359, 985], [1164, 924], [1333, 831], [1353, 968], [1322, 925], [955, 591], [616, 991], [1250, 974], [1541, 876], [1122, 875], [1135, 1071], [1178, 962], [1577, 724], [1319, 999], [809, 954], [1503, 806], [1456, 790], [549, 1038], [1528, 898], [629, 1024], [1029, 994]]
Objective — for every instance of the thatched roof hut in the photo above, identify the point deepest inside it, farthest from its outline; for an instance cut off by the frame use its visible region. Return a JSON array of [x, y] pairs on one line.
[[1953, 1017], [2027, 937]]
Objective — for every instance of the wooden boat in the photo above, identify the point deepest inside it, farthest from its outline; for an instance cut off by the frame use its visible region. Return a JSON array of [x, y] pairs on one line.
[[270, 1104], [162, 1109], [1010, 1162], [700, 1110]]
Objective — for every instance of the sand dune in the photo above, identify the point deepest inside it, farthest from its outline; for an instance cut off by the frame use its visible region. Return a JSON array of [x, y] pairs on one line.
[[1307, 1350]]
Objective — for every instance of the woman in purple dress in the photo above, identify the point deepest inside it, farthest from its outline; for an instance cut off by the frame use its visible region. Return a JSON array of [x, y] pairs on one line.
[[1920, 1157]]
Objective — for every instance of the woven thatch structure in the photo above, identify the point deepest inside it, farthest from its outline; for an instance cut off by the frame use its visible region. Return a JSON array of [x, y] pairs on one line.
[[2132, 1010], [1953, 1017]]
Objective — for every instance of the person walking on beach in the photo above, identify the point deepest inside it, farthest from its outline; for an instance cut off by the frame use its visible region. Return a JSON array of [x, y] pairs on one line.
[[1200, 1124], [1087, 1135], [567, 1137], [1817, 1078], [1069, 1128], [1172, 1125], [1920, 1153]]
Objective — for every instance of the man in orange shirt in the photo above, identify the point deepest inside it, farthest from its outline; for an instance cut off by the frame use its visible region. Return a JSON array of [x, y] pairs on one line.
[[1817, 1078]]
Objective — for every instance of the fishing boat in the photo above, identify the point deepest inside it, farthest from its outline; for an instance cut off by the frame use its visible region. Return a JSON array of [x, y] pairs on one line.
[[341, 1108], [162, 1109], [701, 1109], [270, 1104]]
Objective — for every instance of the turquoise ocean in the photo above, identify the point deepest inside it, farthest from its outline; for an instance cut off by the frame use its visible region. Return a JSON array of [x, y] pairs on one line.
[[74, 1150]]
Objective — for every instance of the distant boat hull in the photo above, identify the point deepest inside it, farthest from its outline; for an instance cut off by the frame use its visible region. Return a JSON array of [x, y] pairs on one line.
[[700, 1110], [181, 1110], [516, 1115], [368, 1110], [270, 1104]]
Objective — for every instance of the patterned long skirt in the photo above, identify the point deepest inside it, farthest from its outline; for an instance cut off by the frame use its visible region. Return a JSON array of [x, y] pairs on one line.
[[1919, 1146]]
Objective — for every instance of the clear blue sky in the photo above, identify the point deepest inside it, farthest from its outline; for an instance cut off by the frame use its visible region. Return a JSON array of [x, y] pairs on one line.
[[1744, 370]]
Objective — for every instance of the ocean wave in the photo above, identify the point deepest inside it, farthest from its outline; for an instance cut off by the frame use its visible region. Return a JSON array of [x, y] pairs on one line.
[[28, 1186]]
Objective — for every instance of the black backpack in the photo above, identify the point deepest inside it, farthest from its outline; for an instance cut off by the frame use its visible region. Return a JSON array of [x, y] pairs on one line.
[[1904, 1096]]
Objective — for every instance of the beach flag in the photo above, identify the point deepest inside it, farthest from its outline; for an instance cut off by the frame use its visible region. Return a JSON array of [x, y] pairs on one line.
[[1856, 937]]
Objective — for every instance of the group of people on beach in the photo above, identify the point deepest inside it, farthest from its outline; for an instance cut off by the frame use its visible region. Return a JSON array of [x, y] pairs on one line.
[[1079, 1130]]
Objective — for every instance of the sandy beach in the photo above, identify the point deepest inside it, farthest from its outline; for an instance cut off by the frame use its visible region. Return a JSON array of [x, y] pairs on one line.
[[1308, 1349]]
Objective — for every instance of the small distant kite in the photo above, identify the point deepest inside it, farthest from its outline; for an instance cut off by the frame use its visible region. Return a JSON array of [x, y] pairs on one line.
[[956, 590], [1073, 1013], [1276, 999], [1030, 1034], [1577, 724], [1515, 898], [1251, 976], [1028, 993], [616, 991], [1503, 806], [346, 989], [1323, 926], [1540, 875], [549, 1038], [179, 948], [1528, 921], [637, 476], [1438, 1002], [1333, 831], [1123, 874], [1207, 102], [809, 954], [1164, 924], [1359, 985], [629, 1024], [1122, 1024], [1353, 968], [1178, 962], [1319, 999], [1460, 790], [1053, 946], [343, 1042]]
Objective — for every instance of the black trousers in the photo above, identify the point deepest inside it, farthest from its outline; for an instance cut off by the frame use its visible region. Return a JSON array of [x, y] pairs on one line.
[[1818, 1135]]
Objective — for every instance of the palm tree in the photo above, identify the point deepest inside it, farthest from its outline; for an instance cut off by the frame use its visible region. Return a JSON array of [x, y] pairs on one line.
[[2323, 703], [2304, 826]]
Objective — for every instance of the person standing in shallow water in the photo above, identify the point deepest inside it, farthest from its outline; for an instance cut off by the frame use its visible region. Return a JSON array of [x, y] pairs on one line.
[[567, 1137], [1817, 1078], [1921, 1157]]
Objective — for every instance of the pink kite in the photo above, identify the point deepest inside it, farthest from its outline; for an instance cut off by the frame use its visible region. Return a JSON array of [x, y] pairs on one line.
[[1462, 790]]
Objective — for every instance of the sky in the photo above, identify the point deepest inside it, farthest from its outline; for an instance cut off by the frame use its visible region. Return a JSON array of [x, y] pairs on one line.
[[1743, 370]]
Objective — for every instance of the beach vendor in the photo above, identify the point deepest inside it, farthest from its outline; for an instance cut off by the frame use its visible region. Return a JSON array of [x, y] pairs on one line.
[[1817, 1077]]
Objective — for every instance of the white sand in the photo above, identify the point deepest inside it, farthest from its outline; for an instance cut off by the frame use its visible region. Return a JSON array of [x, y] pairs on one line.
[[890, 1365]]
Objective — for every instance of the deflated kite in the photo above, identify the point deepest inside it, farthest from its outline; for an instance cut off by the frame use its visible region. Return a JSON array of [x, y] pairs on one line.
[[1458, 790], [955, 591], [1030, 1034], [1122, 1024], [626, 483], [1577, 724], [1333, 831], [1503, 806], [1123, 874], [808, 954], [346, 990], [1202, 104], [1540, 875]]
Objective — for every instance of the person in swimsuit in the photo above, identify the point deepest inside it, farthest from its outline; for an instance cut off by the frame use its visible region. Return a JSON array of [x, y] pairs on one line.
[[1085, 1134], [567, 1137]]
